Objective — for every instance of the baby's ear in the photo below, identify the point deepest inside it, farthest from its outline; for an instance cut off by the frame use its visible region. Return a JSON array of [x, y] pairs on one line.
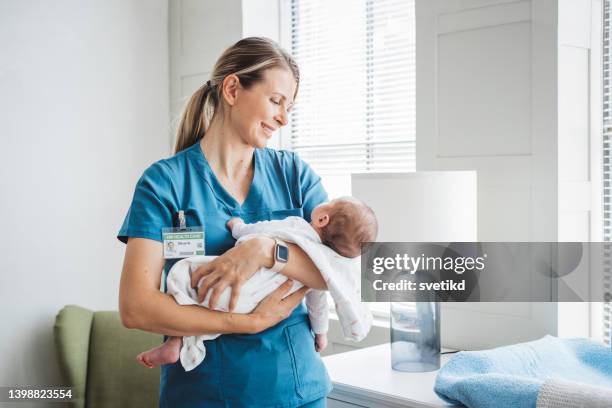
[[322, 220]]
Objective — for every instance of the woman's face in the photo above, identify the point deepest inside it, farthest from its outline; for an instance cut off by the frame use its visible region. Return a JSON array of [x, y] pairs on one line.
[[260, 111]]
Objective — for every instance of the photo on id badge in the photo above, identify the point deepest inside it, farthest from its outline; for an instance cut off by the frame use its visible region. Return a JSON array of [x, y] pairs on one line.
[[170, 250]]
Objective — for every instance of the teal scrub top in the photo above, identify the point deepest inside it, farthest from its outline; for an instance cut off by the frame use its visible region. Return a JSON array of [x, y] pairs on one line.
[[278, 367]]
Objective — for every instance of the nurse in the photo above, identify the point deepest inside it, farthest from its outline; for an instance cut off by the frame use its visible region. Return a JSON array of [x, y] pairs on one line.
[[222, 169]]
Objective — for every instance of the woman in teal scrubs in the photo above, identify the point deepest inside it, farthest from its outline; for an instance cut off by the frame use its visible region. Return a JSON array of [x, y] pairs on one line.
[[222, 169]]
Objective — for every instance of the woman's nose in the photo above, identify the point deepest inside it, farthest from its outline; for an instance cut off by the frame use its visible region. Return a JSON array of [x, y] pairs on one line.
[[282, 117]]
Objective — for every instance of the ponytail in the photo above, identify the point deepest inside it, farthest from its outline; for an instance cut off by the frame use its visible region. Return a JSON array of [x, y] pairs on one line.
[[196, 117]]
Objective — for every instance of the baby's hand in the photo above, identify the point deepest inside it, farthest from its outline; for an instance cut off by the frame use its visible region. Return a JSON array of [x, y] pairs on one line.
[[320, 342], [233, 222]]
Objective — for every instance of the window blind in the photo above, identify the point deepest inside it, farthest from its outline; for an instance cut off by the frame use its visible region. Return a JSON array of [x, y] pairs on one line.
[[356, 107], [607, 157]]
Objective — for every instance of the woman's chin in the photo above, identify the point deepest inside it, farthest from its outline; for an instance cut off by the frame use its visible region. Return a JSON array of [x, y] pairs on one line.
[[260, 143], [256, 142]]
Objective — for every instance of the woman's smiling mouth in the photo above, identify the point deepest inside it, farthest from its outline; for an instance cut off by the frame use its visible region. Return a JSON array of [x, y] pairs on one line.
[[268, 129]]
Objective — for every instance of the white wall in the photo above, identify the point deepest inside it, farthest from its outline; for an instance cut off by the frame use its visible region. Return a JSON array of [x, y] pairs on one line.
[[84, 110]]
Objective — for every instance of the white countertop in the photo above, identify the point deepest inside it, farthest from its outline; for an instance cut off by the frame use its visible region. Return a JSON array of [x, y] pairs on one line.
[[365, 375]]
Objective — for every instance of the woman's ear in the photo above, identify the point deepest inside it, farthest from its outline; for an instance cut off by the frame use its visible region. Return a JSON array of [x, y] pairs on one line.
[[322, 220], [230, 86]]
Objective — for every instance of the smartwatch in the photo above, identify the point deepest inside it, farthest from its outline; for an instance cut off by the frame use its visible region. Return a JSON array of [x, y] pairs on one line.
[[281, 256]]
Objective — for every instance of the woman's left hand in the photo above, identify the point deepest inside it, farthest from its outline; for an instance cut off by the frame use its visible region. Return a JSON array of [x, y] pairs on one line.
[[232, 269]]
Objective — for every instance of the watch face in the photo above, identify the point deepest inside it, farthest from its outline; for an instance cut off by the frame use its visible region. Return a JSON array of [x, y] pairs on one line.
[[282, 253]]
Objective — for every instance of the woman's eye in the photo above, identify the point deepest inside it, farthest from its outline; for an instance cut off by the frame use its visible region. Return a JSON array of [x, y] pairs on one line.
[[275, 102]]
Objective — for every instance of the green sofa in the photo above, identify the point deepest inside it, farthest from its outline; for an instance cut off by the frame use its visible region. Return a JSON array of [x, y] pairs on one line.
[[97, 356]]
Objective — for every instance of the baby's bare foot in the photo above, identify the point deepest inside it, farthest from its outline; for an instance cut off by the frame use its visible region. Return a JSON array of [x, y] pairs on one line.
[[167, 353]]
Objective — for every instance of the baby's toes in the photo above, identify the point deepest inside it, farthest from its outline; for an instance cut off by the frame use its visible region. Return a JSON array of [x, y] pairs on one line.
[[142, 359]]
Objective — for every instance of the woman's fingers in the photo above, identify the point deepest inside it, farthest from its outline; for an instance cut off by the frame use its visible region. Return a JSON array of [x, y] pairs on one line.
[[273, 308], [206, 283], [296, 297], [203, 270], [217, 290], [234, 296]]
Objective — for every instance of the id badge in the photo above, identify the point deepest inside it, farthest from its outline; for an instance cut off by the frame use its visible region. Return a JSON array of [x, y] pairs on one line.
[[183, 242]]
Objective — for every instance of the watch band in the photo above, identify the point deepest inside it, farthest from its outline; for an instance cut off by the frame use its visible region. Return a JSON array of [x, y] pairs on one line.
[[281, 255]]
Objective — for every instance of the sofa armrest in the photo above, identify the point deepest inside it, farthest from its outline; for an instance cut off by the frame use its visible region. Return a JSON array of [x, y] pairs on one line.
[[72, 331]]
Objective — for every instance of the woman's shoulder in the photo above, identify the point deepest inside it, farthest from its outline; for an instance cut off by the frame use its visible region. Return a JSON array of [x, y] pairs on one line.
[[278, 155], [302, 181], [168, 168], [287, 160]]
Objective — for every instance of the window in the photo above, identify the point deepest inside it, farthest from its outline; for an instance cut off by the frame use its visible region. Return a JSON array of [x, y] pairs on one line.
[[356, 106]]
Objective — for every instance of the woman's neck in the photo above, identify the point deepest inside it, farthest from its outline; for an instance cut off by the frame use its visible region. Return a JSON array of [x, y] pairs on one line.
[[226, 153]]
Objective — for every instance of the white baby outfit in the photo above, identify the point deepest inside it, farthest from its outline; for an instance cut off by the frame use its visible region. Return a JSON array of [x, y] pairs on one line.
[[341, 274]]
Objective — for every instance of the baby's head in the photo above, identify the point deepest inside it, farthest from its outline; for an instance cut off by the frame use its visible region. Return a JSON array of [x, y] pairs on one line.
[[343, 224]]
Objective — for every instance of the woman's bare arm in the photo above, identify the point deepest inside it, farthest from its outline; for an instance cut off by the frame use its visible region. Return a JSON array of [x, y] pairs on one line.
[[143, 306], [299, 267]]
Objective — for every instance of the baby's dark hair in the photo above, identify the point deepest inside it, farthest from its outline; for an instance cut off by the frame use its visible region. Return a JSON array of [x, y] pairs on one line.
[[351, 225]]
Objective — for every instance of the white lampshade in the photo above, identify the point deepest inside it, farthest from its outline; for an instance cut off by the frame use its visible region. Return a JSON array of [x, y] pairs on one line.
[[429, 206]]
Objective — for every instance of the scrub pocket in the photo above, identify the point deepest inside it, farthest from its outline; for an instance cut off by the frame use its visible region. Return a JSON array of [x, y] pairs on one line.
[[309, 372]]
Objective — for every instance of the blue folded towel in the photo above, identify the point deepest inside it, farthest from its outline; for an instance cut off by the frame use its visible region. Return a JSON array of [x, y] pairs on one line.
[[512, 376]]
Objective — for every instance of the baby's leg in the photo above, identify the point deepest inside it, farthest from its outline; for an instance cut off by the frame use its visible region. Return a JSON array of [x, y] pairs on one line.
[[167, 353], [320, 342]]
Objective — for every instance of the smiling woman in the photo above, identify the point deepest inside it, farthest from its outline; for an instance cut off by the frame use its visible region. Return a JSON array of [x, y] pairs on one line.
[[222, 169]]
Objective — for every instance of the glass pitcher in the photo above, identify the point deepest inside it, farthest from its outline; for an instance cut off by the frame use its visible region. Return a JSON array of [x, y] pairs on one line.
[[415, 336]]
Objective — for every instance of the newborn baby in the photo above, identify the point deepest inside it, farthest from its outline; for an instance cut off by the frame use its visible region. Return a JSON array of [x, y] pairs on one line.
[[342, 224]]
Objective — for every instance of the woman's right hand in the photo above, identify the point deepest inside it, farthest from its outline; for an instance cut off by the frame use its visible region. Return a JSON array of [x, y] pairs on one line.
[[273, 308]]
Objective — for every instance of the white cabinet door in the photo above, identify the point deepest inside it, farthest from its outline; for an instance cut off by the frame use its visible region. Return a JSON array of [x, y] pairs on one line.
[[487, 101]]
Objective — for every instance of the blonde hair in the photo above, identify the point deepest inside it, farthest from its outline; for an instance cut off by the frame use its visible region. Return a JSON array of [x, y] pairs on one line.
[[247, 59]]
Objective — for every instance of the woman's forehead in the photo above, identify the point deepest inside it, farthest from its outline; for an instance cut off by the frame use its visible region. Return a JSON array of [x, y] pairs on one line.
[[280, 80]]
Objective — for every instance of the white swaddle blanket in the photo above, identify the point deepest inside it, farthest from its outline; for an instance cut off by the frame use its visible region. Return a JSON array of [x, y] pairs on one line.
[[341, 274]]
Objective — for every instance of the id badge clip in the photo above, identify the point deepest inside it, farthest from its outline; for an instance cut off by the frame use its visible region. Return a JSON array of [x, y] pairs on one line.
[[184, 241]]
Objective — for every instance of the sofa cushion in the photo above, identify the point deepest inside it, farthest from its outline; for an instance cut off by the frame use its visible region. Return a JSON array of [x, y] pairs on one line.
[[114, 378], [71, 331]]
